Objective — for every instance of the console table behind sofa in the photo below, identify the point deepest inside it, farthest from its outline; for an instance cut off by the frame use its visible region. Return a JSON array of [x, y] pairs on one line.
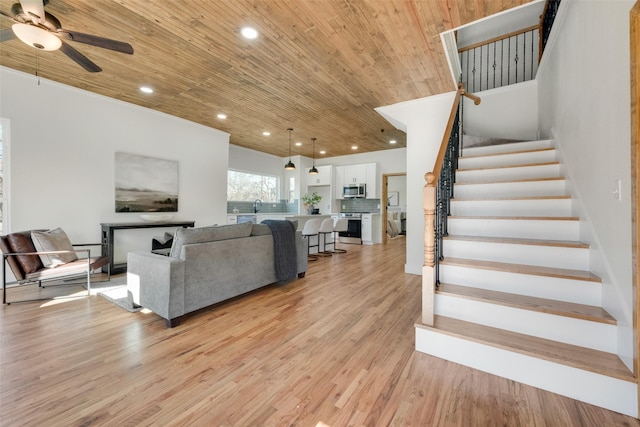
[[108, 229]]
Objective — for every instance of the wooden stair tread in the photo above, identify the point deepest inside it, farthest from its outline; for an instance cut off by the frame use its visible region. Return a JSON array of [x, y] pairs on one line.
[[526, 218], [506, 153], [519, 241], [481, 199], [522, 165], [543, 305], [533, 270], [513, 181], [596, 361]]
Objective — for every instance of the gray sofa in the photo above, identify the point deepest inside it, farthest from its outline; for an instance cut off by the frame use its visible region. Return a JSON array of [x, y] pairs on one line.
[[205, 266]]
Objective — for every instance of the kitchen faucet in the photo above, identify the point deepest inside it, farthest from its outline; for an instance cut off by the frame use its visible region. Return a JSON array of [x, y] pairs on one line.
[[256, 205]]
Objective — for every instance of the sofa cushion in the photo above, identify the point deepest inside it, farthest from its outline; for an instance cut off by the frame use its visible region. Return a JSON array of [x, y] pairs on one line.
[[185, 236], [20, 243], [260, 230], [53, 240], [263, 229]]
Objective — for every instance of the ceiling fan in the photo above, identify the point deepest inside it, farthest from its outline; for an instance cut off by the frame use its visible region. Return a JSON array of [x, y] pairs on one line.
[[43, 31]]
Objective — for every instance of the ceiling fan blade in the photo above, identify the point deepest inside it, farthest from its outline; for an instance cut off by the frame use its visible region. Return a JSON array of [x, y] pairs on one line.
[[79, 58], [35, 9], [7, 34], [6, 15], [98, 41]]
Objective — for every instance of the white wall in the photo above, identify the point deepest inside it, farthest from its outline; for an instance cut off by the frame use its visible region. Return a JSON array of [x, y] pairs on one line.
[[247, 160], [389, 161], [399, 184], [513, 123], [425, 120], [584, 104], [62, 146]]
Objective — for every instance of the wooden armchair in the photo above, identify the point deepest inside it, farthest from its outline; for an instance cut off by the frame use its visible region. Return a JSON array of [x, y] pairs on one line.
[[20, 254]]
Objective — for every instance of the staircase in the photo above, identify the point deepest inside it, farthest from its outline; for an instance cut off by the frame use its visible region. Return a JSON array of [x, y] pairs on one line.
[[516, 297]]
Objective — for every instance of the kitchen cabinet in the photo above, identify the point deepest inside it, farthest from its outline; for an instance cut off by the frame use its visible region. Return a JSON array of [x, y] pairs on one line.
[[366, 173], [372, 181], [232, 219], [371, 229], [322, 178], [366, 230], [338, 182], [355, 174]]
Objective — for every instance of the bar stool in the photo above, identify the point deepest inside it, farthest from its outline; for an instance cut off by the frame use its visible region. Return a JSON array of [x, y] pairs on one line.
[[310, 229], [341, 224], [326, 228]]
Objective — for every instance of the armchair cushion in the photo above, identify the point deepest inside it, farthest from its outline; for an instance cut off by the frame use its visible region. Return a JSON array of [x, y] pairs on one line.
[[53, 240], [21, 243]]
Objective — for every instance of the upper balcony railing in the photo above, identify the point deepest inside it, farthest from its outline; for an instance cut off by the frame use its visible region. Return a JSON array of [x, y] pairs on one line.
[[502, 61], [507, 59]]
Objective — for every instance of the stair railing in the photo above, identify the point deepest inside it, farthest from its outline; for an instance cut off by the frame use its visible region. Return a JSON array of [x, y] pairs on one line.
[[546, 22], [437, 194], [507, 59]]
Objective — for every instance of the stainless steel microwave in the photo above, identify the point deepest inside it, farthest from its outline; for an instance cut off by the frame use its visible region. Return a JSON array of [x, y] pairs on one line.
[[353, 191]]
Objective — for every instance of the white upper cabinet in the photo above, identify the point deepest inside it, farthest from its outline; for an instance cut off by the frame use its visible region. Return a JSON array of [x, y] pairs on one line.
[[322, 178], [355, 174], [372, 181], [338, 182], [366, 173]]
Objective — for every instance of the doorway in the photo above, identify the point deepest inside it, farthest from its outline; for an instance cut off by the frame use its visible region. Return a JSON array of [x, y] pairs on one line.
[[394, 204], [634, 16]]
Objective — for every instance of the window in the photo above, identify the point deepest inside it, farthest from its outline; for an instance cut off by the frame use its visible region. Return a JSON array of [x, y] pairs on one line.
[[247, 187]]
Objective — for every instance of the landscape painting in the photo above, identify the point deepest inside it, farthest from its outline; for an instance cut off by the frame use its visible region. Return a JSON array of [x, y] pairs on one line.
[[145, 184]]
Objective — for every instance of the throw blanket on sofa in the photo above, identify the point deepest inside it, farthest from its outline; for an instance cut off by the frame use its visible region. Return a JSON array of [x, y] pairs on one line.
[[284, 249]]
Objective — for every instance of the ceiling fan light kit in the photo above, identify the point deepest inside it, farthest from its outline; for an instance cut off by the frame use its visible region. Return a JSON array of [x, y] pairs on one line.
[[36, 37], [41, 30]]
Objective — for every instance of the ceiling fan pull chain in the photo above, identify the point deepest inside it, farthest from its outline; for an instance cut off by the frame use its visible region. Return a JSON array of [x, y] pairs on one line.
[[37, 67]]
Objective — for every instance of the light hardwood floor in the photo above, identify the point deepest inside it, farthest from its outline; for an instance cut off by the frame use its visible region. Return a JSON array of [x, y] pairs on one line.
[[335, 348]]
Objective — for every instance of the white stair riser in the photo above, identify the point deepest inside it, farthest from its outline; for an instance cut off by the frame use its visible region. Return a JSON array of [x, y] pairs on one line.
[[543, 256], [511, 207], [523, 228], [576, 291], [509, 174], [506, 148], [585, 386], [556, 187], [514, 159], [595, 335]]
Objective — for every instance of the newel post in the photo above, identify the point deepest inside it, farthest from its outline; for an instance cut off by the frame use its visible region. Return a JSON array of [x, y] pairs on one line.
[[428, 273]]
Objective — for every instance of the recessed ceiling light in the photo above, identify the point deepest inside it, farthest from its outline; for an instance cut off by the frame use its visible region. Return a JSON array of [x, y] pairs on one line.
[[146, 89], [249, 33], [222, 116], [266, 133], [393, 141], [354, 147], [323, 152], [298, 144]]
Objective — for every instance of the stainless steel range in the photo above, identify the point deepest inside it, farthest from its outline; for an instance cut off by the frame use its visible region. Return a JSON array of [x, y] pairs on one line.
[[354, 215], [354, 228]]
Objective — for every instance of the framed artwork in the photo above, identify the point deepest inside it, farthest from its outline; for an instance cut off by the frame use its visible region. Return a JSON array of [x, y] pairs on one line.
[[145, 184], [393, 198]]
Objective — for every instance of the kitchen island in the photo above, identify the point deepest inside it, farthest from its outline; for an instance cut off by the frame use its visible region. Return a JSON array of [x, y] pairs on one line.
[[302, 219]]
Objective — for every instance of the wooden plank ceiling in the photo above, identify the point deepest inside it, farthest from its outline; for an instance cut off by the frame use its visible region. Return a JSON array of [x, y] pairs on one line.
[[318, 66]]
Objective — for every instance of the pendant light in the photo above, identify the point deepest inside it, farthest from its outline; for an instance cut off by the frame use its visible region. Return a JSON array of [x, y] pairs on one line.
[[289, 166], [313, 170]]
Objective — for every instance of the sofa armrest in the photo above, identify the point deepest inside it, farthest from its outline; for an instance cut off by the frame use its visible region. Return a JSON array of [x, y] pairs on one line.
[[301, 254], [156, 282]]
